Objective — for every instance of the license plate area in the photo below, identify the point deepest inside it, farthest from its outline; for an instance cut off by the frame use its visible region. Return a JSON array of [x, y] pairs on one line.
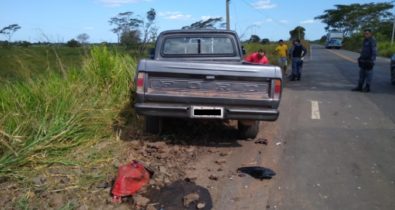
[[207, 112]]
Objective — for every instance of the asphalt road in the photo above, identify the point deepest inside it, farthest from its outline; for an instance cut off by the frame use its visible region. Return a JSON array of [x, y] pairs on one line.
[[331, 148], [338, 148]]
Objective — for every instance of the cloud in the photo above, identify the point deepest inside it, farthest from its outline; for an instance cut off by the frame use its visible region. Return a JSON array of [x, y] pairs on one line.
[[117, 3], [89, 28], [283, 21], [305, 22], [260, 23], [263, 4], [174, 15]]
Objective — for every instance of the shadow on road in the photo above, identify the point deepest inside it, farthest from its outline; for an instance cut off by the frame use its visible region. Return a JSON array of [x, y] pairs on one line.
[[213, 133]]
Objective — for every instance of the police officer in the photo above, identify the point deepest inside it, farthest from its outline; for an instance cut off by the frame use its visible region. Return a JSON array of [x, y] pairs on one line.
[[366, 62]]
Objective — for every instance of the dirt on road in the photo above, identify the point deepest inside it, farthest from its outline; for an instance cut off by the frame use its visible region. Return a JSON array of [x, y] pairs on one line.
[[190, 157]]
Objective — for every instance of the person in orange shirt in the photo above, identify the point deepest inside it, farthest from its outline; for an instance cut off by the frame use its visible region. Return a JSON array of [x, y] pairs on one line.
[[257, 57]]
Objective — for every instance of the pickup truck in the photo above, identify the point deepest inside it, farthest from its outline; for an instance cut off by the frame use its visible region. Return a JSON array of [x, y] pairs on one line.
[[200, 74]]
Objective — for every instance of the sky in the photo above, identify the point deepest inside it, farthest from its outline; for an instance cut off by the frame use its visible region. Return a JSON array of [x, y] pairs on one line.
[[62, 20]]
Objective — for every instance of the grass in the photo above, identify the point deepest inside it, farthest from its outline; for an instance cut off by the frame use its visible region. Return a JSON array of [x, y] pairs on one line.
[[20, 62], [45, 116], [385, 49]]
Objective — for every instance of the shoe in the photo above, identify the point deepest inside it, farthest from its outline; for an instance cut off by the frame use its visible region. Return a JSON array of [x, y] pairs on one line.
[[358, 88], [298, 78], [366, 89]]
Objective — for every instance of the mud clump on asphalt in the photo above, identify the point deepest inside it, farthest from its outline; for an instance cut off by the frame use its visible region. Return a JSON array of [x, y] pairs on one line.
[[180, 195]]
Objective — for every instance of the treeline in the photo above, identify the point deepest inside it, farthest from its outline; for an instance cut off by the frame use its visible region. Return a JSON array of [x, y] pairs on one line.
[[352, 19]]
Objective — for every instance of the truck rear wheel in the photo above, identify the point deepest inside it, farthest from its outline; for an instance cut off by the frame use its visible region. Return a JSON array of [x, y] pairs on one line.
[[248, 130], [153, 125]]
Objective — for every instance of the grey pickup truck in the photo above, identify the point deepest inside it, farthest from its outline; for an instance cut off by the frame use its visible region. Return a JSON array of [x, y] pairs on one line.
[[200, 74]]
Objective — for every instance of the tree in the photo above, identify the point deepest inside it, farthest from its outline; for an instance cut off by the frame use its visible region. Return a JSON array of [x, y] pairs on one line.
[[297, 33], [8, 31], [130, 38], [254, 38], [323, 38], [73, 43], [149, 29], [355, 17], [124, 22], [83, 38], [265, 41], [204, 24]]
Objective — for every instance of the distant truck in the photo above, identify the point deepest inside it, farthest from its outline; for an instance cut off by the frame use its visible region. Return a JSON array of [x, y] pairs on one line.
[[200, 74], [334, 39]]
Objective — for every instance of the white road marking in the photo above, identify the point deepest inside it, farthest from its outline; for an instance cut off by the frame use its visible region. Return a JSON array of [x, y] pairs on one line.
[[315, 110]]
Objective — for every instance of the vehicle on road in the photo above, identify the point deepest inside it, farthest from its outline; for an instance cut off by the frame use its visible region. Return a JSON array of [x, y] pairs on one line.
[[334, 39], [200, 74], [392, 69]]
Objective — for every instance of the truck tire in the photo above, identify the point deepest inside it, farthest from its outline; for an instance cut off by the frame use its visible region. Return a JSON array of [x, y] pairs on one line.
[[248, 131], [153, 125]]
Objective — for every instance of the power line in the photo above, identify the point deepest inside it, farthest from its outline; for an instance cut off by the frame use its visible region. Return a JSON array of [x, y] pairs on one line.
[[264, 15]]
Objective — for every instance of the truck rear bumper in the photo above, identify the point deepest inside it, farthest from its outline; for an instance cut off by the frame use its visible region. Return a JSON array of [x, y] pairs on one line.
[[184, 111]]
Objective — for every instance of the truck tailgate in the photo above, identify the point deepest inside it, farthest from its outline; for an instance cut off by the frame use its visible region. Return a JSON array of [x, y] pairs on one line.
[[191, 82]]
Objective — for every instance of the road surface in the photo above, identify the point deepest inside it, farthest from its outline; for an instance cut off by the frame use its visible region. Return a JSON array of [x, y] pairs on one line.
[[331, 148]]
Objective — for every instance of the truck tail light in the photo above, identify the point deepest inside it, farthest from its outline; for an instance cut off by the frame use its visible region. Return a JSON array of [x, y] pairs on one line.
[[140, 83], [277, 89]]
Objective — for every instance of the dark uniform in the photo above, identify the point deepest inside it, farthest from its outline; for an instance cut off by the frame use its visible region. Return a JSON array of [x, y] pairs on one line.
[[366, 62]]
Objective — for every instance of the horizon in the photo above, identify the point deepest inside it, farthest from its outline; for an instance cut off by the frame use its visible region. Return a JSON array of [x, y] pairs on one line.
[[61, 21]]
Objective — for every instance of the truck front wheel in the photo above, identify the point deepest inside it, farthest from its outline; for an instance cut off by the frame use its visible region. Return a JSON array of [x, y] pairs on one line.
[[153, 125], [248, 129]]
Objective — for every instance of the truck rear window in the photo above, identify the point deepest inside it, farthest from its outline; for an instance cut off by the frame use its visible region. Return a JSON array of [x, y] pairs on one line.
[[198, 46]]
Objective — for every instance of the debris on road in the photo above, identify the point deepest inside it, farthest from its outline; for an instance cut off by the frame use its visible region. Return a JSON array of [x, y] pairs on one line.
[[213, 177], [261, 141], [200, 205], [278, 143], [190, 198], [130, 179], [257, 172], [220, 161], [140, 201], [180, 195]]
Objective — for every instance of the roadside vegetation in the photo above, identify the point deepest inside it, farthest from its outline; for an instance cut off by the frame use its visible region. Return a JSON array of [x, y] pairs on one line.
[[352, 19], [44, 117]]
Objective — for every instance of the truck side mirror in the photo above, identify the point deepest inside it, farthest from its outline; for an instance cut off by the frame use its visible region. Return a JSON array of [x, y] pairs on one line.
[[243, 50], [152, 53]]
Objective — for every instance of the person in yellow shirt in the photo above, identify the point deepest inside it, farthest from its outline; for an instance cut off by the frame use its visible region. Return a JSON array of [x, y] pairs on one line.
[[282, 51]]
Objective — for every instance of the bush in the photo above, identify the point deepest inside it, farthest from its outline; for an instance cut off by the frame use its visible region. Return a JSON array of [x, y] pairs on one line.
[[73, 43], [24, 44]]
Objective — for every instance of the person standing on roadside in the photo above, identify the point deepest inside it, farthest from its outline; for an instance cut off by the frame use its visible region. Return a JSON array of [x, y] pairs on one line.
[[282, 51], [366, 62], [297, 53]]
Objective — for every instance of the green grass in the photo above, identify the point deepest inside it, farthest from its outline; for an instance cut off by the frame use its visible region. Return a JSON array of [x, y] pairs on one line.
[[45, 116], [19, 62], [385, 49]]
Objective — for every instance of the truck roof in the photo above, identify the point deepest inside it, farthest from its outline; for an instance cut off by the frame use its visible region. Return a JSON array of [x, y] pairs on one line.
[[194, 31]]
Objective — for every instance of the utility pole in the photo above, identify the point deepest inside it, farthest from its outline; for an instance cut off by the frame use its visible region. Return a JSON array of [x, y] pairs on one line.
[[298, 32], [227, 15]]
